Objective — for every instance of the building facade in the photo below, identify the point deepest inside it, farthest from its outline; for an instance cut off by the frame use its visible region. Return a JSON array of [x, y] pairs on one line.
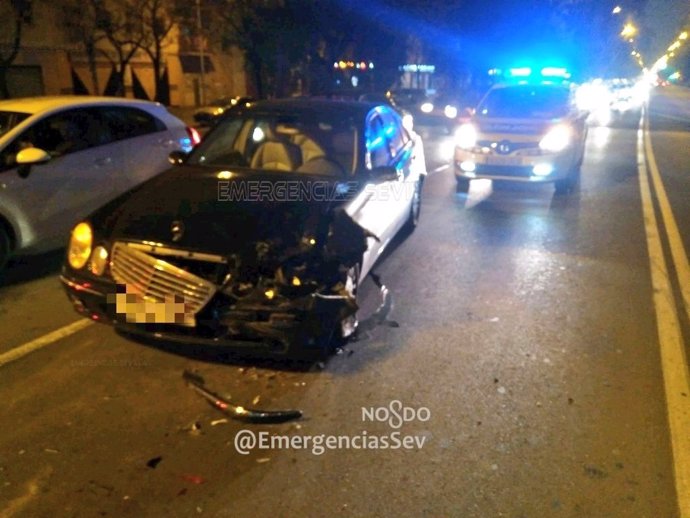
[[49, 63]]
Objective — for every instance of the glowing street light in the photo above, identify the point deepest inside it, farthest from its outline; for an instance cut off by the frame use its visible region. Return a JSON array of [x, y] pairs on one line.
[[617, 10], [683, 35], [629, 30]]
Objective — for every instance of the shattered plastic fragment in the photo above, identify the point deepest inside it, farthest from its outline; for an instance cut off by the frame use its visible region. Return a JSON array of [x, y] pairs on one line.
[[194, 479], [218, 421], [152, 463], [196, 383], [262, 460]]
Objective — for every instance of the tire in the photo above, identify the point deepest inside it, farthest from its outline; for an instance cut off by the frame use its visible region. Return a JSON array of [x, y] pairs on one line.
[[415, 207], [5, 247], [570, 182], [348, 326], [463, 185], [332, 336]]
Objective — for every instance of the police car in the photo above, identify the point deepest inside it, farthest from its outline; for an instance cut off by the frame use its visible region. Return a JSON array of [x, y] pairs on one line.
[[523, 132]]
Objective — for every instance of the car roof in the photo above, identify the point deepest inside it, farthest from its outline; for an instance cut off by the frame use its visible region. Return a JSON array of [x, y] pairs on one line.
[[34, 105], [310, 107]]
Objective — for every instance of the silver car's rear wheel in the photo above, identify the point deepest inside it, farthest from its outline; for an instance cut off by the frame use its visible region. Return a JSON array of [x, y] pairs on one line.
[[5, 247]]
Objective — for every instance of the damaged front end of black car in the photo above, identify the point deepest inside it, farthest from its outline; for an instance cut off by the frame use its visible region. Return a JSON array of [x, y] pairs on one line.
[[259, 238], [285, 284]]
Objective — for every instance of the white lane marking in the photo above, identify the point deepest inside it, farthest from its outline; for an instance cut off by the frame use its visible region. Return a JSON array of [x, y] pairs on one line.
[[680, 258], [43, 341], [673, 361], [439, 168]]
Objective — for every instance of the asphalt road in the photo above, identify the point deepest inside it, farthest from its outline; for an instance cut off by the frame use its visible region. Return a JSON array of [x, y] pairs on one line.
[[536, 340]]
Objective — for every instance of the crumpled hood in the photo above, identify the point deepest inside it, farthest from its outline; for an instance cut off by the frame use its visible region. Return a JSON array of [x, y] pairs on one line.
[[181, 208]]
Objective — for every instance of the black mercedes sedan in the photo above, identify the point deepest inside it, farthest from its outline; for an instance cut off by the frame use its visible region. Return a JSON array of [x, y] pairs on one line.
[[260, 236]]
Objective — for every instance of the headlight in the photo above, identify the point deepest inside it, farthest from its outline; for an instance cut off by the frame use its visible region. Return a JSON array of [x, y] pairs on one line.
[[80, 245], [466, 136], [450, 111], [99, 260], [557, 139], [427, 107]]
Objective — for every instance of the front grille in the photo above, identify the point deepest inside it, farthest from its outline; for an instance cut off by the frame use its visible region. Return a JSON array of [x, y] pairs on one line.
[[158, 280]]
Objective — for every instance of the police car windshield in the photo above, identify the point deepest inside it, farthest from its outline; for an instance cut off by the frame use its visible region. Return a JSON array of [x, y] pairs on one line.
[[525, 101]]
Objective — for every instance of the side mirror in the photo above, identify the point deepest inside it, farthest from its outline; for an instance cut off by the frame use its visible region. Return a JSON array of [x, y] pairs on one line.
[[384, 174], [32, 155], [177, 157], [28, 157]]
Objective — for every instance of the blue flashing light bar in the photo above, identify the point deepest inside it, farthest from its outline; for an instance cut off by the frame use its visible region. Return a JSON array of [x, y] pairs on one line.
[[555, 72], [521, 72]]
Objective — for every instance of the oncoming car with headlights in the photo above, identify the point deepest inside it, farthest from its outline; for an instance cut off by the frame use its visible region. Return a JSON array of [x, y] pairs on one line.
[[258, 239], [523, 133]]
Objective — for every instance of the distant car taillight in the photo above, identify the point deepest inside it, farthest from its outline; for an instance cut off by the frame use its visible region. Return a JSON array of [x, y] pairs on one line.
[[193, 135]]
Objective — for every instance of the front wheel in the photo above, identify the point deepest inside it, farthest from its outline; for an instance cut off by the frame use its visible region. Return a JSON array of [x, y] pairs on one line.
[[348, 325], [570, 182], [415, 207], [333, 334], [463, 185]]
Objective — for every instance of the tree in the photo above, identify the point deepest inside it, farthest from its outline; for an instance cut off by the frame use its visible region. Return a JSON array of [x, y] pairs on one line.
[[120, 22], [81, 22], [16, 14], [157, 19]]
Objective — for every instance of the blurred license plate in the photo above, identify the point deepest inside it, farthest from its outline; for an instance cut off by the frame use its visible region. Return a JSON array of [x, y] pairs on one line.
[[504, 160], [141, 310]]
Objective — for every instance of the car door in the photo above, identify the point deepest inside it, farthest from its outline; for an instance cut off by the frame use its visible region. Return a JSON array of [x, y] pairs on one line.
[[377, 210], [82, 174], [402, 151], [144, 140]]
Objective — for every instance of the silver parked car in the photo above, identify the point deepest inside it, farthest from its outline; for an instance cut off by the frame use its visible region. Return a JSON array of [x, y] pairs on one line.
[[63, 157]]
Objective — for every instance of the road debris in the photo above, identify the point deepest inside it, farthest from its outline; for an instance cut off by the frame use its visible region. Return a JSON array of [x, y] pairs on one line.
[[262, 460], [219, 421], [240, 413], [194, 479], [152, 463]]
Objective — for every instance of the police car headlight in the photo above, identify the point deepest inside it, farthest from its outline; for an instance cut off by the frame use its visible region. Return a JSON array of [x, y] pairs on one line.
[[466, 136], [427, 107], [450, 111], [557, 139]]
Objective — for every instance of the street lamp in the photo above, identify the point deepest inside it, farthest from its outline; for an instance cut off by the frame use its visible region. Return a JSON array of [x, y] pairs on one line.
[[629, 30], [617, 9]]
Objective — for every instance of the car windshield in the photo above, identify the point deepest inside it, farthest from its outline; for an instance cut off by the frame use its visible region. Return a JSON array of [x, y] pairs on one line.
[[282, 142], [409, 97], [9, 120], [525, 101]]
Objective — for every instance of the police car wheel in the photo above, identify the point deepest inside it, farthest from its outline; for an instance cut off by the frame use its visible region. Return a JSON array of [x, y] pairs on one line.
[[463, 185], [568, 184]]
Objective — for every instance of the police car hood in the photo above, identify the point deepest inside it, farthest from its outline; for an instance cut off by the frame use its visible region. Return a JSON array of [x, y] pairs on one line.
[[512, 126]]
